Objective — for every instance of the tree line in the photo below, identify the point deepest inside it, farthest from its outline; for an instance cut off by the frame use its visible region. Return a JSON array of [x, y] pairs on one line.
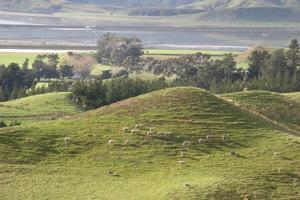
[[97, 93], [17, 81], [268, 70]]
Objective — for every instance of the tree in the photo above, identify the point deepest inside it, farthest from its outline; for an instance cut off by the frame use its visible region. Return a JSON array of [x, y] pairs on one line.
[[51, 67], [66, 71], [106, 74], [293, 57], [39, 66], [25, 64], [117, 49], [278, 63], [82, 63], [258, 61]]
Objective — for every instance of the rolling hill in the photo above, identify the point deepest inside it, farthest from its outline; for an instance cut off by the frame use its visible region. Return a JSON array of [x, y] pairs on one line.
[[200, 10], [281, 108], [39, 107], [255, 159]]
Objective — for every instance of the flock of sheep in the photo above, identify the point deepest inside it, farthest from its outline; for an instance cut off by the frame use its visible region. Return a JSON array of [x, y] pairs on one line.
[[153, 133]]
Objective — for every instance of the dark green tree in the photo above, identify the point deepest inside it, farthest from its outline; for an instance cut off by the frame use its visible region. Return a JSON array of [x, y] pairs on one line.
[[293, 57]]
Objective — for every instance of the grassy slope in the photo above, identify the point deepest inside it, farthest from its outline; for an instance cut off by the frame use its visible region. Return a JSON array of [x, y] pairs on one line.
[[272, 105], [9, 57], [149, 169], [38, 107], [294, 95], [15, 57]]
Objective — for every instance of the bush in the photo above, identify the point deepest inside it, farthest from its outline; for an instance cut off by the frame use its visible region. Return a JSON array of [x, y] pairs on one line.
[[2, 124]]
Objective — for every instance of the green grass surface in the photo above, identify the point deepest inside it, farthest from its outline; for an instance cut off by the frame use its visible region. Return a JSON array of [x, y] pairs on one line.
[[184, 51], [10, 57], [46, 168], [38, 107], [278, 107], [294, 95], [15, 57], [99, 68]]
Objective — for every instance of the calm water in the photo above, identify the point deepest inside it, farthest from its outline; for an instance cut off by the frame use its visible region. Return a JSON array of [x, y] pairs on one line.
[[203, 38]]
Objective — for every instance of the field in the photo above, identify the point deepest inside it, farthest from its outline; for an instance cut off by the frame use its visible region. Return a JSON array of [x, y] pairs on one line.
[[257, 158], [294, 95], [38, 107], [280, 108], [15, 57], [9, 57]]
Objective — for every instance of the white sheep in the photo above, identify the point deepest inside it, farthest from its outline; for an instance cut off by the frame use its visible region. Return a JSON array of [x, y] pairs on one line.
[[111, 141], [67, 140], [133, 131], [138, 126], [181, 162], [125, 129], [167, 134], [29, 140], [152, 129], [209, 137], [160, 133], [201, 141], [224, 137], [150, 133], [276, 154], [110, 173], [187, 143], [127, 142], [295, 182]]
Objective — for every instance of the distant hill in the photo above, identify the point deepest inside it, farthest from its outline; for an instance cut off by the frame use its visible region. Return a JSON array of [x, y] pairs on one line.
[[211, 10]]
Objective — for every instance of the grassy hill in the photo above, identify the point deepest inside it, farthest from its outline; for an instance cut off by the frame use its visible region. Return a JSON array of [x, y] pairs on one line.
[[294, 95], [89, 168], [38, 107], [195, 10], [278, 107]]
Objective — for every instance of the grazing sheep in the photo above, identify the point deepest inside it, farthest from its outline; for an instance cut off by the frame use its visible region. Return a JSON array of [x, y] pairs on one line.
[[150, 133], [276, 154], [296, 182], [201, 141], [133, 131], [245, 89], [279, 169], [152, 129], [209, 138], [187, 143], [224, 137], [167, 134], [127, 142], [29, 140], [67, 140], [181, 162], [160, 133], [111, 141], [110, 173], [138, 126], [125, 129]]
